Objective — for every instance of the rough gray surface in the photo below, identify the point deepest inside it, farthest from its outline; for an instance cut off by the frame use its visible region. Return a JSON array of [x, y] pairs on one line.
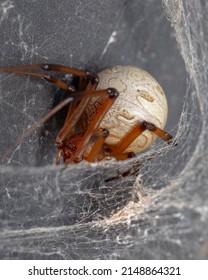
[[78, 213]]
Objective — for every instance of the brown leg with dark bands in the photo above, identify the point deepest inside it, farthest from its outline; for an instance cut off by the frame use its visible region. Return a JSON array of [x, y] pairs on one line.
[[97, 147], [51, 79], [128, 139], [84, 85], [157, 131], [51, 67], [66, 69], [135, 132], [73, 119], [88, 77]]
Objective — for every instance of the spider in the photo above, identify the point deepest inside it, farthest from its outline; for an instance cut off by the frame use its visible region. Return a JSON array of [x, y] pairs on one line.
[[115, 113]]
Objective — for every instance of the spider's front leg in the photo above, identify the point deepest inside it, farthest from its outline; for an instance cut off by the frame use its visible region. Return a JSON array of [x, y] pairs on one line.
[[26, 70]]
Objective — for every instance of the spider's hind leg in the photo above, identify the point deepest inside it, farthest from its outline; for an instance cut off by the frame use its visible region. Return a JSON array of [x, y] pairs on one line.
[[158, 131], [137, 130]]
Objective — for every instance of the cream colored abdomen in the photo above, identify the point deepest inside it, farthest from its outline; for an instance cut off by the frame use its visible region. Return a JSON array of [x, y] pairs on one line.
[[140, 98]]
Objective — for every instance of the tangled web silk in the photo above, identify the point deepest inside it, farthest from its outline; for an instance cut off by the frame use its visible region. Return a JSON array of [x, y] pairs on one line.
[[94, 211]]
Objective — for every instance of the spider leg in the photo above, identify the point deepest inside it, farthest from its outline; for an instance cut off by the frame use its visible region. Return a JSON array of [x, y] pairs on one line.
[[88, 77], [58, 156], [97, 146], [99, 150], [82, 86], [51, 67], [73, 116], [103, 109], [46, 67], [134, 133], [128, 139], [158, 131], [51, 79]]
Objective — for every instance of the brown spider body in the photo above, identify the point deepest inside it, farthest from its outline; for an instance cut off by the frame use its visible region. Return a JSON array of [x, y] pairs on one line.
[[118, 112], [69, 146]]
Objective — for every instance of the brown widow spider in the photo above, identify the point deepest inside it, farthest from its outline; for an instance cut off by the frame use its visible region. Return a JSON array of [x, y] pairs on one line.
[[115, 113]]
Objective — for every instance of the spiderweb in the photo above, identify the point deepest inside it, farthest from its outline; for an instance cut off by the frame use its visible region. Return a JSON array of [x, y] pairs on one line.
[[94, 211]]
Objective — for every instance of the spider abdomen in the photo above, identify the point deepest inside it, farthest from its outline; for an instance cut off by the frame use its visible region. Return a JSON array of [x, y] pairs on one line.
[[141, 98]]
